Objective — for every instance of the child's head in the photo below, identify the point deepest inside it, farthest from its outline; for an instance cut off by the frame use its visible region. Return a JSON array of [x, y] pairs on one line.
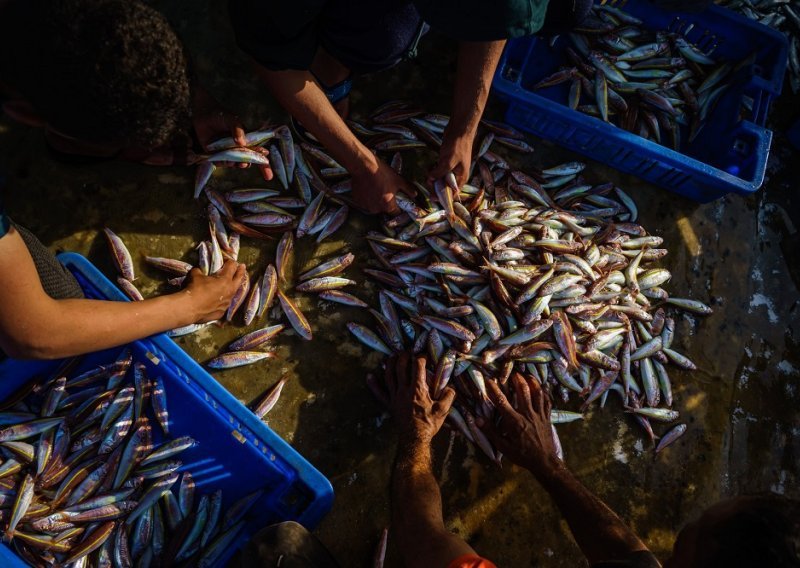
[[101, 71], [758, 530]]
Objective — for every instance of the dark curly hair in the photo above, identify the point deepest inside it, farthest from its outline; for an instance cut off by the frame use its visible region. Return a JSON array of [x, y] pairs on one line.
[[98, 70]]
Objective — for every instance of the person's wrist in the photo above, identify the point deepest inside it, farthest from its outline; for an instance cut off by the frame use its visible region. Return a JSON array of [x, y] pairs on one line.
[[548, 469], [460, 132], [363, 162], [414, 437], [186, 308]]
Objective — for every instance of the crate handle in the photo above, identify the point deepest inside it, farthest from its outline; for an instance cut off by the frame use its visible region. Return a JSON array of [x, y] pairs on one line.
[[706, 43], [763, 139]]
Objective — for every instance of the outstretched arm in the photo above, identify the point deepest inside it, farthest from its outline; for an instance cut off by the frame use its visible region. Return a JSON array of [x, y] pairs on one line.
[[35, 326], [524, 435], [374, 182], [477, 61], [417, 519]]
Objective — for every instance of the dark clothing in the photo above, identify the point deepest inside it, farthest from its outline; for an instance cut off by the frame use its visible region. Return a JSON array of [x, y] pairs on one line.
[[370, 35], [364, 35], [4, 223], [564, 15], [57, 281], [479, 20]]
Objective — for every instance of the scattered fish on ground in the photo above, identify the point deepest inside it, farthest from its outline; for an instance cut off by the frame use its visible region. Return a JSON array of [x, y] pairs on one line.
[[541, 272]]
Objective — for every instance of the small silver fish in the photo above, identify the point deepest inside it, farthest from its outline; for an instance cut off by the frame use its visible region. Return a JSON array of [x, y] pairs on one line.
[[238, 359]]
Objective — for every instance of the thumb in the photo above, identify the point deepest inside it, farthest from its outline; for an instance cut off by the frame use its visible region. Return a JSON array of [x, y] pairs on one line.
[[445, 400], [241, 272], [237, 130], [195, 272], [390, 205], [438, 171]]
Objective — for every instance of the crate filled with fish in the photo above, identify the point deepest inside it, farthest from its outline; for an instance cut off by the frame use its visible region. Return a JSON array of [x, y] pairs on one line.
[[136, 456], [781, 15], [678, 99]]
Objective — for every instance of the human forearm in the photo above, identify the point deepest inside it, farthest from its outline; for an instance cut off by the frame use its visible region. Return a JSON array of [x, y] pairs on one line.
[[300, 95], [599, 532], [477, 61], [414, 486], [70, 327], [417, 520], [34, 325], [524, 434], [373, 182]]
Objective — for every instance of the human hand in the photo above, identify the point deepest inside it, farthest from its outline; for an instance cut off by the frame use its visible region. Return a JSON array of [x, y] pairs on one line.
[[455, 156], [524, 433], [218, 124], [375, 186], [211, 295], [212, 122], [417, 417], [215, 123]]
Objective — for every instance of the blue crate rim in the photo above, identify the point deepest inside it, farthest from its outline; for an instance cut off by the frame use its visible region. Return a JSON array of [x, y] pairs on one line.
[[702, 181], [607, 128], [221, 396], [185, 369]]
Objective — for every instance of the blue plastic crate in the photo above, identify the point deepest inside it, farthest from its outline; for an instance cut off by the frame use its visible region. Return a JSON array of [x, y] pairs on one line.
[[236, 452], [728, 155]]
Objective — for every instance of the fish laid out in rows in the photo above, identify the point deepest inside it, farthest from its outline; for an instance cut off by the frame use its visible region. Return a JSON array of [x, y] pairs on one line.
[[654, 84], [83, 483]]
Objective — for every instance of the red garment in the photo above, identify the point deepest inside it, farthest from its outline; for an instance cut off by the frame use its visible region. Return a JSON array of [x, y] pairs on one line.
[[471, 561]]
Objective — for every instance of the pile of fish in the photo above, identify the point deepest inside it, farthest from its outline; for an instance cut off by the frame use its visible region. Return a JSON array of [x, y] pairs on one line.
[[82, 482], [541, 272], [656, 85], [260, 213], [782, 15]]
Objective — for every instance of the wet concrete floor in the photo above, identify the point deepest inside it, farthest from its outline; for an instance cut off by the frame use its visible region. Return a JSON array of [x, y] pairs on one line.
[[738, 254]]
